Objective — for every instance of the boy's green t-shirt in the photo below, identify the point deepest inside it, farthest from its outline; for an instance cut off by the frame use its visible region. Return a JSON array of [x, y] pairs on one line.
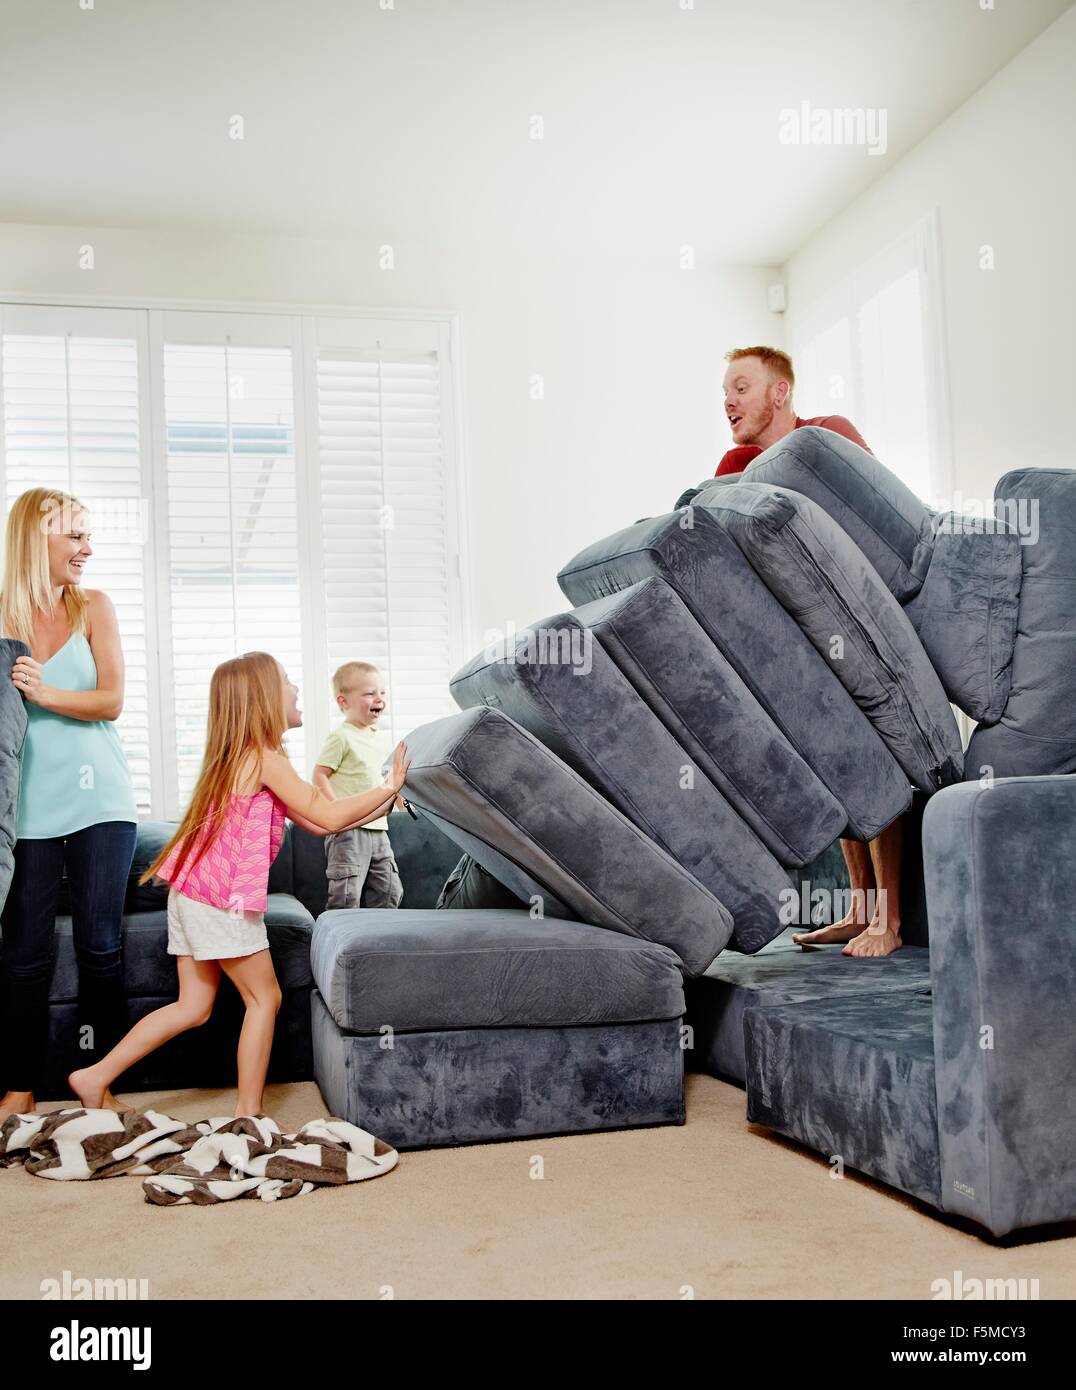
[[355, 756]]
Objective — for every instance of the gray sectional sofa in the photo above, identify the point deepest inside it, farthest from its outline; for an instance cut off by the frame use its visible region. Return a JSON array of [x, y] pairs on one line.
[[638, 786]]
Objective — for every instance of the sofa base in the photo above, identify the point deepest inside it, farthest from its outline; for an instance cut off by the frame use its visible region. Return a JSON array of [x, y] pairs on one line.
[[852, 1078], [477, 1085]]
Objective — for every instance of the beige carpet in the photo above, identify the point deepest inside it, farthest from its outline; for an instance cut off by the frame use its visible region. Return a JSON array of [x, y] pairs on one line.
[[714, 1206]]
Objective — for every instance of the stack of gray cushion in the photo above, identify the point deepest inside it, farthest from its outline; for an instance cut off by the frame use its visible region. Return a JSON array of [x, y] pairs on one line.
[[739, 683]]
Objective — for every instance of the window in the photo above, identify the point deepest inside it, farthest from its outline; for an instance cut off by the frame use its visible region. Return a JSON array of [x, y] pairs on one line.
[[872, 350], [72, 419], [295, 487]]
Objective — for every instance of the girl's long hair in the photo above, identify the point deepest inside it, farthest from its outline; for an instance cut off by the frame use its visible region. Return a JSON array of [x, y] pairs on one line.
[[27, 584], [246, 716]]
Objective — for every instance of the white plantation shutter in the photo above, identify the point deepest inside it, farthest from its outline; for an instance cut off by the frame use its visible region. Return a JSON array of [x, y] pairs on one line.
[[71, 419], [257, 481], [232, 525], [385, 551]]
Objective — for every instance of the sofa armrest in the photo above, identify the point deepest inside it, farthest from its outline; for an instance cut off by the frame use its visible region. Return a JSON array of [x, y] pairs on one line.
[[1000, 868]]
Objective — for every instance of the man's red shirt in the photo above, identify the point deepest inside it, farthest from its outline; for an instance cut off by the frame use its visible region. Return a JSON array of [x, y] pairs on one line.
[[738, 457]]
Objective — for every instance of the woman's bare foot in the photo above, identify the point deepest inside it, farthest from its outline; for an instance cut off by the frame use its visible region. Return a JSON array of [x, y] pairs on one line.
[[87, 1089], [16, 1103], [877, 940], [844, 930]]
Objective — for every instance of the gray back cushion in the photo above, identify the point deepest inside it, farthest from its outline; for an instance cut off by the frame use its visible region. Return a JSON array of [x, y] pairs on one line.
[[965, 614], [12, 733], [826, 583], [1037, 729], [698, 558], [885, 519], [532, 822], [677, 671], [560, 684]]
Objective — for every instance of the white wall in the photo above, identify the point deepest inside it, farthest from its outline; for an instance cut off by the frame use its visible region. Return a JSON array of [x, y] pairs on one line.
[[630, 352], [1000, 171]]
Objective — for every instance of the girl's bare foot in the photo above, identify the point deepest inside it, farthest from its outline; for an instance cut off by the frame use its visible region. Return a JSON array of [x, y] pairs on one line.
[[16, 1103], [109, 1102], [877, 940], [844, 930], [88, 1091]]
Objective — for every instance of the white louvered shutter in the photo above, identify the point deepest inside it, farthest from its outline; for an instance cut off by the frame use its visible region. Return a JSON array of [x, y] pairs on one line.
[[71, 420], [232, 525], [388, 562]]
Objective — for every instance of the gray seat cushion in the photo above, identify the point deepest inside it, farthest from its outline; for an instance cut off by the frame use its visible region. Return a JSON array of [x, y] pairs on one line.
[[536, 825], [679, 673], [1037, 729], [697, 557], [886, 520], [427, 970], [827, 584], [965, 614], [149, 970], [783, 973], [853, 1078], [561, 685]]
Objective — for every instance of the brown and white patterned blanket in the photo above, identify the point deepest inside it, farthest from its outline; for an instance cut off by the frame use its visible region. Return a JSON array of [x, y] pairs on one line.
[[183, 1163]]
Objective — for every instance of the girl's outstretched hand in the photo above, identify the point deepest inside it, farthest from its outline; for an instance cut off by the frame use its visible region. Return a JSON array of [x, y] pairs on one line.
[[400, 763]]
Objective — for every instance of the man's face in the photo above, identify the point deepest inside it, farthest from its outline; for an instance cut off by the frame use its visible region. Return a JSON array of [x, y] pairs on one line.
[[752, 398]]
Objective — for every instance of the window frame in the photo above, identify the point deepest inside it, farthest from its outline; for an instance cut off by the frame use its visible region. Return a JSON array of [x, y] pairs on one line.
[[296, 322], [846, 297]]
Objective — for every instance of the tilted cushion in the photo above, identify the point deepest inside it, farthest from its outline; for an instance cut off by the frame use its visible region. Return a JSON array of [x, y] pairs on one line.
[[965, 613], [536, 825], [471, 886], [674, 667], [1037, 729], [886, 520], [563, 687], [412, 970], [697, 557], [12, 733], [827, 584]]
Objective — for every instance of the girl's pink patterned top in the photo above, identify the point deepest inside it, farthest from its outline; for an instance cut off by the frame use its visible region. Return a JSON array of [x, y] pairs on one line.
[[234, 871]]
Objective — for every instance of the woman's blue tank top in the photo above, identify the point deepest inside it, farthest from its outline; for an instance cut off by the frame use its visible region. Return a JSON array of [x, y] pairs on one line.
[[74, 771]]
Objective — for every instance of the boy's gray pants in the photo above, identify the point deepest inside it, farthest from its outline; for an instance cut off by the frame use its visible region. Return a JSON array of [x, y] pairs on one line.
[[361, 869]]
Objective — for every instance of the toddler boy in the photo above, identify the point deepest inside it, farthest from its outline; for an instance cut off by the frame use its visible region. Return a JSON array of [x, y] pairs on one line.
[[360, 865]]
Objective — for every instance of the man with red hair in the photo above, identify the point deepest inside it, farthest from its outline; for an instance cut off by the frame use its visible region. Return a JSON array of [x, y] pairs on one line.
[[758, 406]]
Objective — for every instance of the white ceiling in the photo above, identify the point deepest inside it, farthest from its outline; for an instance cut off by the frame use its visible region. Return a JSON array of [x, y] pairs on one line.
[[661, 123]]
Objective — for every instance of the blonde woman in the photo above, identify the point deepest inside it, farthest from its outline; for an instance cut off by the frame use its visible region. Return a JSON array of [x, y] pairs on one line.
[[218, 864], [76, 804]]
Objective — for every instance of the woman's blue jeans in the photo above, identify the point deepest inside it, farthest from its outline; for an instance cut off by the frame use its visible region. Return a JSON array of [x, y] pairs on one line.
[[98, 861]]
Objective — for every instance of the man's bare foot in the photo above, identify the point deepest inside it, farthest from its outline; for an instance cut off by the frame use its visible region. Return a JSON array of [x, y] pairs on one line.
[[875, 941], [87, 1089], [16, 1103], [844, 930]]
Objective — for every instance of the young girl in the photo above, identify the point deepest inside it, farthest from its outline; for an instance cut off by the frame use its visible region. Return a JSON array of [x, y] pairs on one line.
[[218, 866]]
